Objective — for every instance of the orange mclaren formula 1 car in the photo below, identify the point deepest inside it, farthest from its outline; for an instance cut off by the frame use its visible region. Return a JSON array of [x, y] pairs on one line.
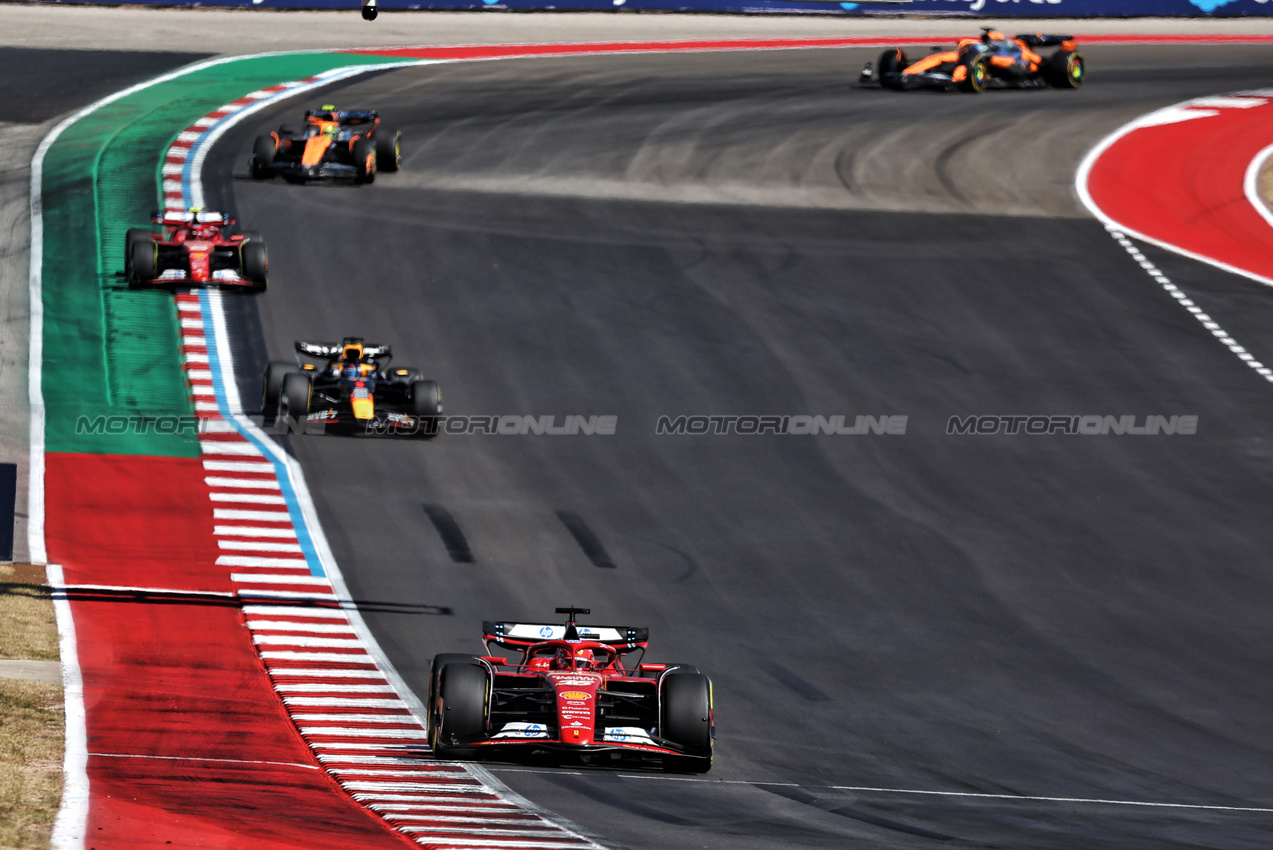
[[341, 143], [994, 60]]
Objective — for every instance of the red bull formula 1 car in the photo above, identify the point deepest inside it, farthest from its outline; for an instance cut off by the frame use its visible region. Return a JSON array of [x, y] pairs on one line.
[[195, 248], [992, 61], [568, 694], [340, 143], [351, 389]]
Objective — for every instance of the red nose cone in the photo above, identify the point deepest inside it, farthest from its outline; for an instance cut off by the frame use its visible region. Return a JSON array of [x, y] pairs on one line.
[[358, 383]]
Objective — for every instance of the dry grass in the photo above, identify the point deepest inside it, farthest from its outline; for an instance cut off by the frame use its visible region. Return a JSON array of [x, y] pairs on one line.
[[32, 721], [31, 733], [28, 629]]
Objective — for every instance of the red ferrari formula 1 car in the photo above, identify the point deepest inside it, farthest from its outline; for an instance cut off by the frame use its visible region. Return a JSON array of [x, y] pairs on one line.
[[339, 143], [569, 695], [994, 60], [196, 248]]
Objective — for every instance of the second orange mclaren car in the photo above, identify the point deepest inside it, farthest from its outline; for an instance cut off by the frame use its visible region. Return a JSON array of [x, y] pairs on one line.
[[341, 143], [994, 60]]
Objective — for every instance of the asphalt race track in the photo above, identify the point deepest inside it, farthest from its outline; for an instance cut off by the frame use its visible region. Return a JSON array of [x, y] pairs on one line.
[[753, 234]]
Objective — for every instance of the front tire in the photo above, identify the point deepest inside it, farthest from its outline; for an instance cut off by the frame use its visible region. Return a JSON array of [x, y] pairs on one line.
[[145, 261], [976, 75], [272, 388], [1065, 69], [687, 720], [255, 262], [461, 706], [892, 61], [294, 397]]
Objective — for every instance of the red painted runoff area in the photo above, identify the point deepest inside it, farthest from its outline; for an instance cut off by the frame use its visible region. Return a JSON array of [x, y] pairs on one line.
[[188, 743], [1179, 179]]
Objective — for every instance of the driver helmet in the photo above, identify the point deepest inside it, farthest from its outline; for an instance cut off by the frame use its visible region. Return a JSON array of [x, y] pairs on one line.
[[350, 370], [584, 659]]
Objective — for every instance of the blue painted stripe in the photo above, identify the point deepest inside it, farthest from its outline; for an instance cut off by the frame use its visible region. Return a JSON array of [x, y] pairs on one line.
[[280, 468]]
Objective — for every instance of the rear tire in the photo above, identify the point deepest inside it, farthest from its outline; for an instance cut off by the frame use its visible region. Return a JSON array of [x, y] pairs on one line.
[[263, 157], [388, 149], [687, 720], [145, 259], [272, 387], [365, 160], [1065, 69], [294, 397], [461, 707]]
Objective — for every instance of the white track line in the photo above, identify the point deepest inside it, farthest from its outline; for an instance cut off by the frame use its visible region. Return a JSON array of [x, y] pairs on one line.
[[1120, 232]]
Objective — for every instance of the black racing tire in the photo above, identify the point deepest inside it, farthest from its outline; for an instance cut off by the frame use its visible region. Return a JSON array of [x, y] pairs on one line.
[[426, 398], [294, 397], [681, 668], [461, 708], [892, 61], [263, 151], [145, 262], [686, 700], [435, 674], [977, 75], [132, 237], [1065, 69], [272, 387], [368, 13], [388, 149], [365, 160], [255, 260], [424, 401]]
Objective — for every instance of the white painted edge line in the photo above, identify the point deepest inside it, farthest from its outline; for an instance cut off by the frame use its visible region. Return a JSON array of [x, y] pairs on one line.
[[1121, 233], [71, 826], [868, 789], [1251, 184], [1084, 173]]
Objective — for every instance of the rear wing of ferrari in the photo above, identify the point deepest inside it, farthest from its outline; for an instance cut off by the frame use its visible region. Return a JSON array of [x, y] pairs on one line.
[[521, 635], [175, 217]]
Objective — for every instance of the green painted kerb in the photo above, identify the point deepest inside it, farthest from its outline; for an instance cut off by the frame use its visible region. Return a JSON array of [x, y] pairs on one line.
[[110, 350]]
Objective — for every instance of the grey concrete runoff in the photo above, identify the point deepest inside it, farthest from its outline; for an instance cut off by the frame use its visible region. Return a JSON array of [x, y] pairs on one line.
[[254, 30], [49, 672]]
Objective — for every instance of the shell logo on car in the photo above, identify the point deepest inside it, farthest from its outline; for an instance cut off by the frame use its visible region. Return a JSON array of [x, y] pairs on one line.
[[574, 695]]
